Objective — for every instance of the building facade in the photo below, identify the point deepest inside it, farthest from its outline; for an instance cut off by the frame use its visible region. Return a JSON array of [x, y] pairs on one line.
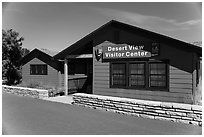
[[121, 60], [128, 61]]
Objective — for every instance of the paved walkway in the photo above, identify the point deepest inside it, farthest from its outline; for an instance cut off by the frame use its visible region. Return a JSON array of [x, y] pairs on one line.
[[61, 99]]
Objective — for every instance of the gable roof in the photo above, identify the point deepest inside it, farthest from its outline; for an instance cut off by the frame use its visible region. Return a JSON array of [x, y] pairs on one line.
[[162, 38], [36, 53], [49, 52]]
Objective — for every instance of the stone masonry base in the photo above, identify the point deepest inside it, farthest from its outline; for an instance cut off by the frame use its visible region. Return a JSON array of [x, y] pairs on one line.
[[31, 92], [175, 112]]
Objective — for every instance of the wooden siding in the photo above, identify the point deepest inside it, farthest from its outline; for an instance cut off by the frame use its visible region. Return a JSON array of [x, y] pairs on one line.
[[52, 79], [180, 84], [179, 92]]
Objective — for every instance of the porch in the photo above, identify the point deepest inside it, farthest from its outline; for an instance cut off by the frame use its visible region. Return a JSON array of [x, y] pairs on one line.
[[78, 73]]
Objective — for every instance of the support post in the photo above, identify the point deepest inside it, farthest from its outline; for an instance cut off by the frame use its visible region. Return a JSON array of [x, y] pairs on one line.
[[66, 76]]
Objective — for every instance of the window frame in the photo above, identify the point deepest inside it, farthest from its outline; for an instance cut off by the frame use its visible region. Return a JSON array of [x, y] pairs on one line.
[[129, 74], [147, 75], [36, 67], [110, 75], [166, 75]]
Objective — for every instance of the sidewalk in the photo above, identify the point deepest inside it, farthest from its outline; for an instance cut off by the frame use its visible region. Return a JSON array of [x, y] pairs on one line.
[[61, 99]]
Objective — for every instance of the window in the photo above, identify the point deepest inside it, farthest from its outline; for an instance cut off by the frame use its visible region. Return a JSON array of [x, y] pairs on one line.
[[137, 74], [143, 74], [38, 69], [118, 75], [158, 74]]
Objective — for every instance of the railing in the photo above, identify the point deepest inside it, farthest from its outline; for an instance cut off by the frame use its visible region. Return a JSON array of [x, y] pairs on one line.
[[76, 84]]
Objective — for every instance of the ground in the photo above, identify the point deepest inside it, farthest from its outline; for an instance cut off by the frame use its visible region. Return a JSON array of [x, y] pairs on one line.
[[25, 115]]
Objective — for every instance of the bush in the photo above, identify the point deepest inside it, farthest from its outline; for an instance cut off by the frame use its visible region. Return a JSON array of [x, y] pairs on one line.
[[31, 84], [56, 92], [52, 90]]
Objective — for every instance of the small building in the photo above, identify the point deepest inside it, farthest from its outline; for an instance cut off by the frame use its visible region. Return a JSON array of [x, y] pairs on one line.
[[126, 61], [40, 68]]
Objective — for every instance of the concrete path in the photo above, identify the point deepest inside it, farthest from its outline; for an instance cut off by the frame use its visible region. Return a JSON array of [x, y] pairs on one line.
[[61, 99]]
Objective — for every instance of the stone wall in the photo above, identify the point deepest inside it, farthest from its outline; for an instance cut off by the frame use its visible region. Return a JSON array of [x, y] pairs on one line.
[[175, 112], [31, 92]]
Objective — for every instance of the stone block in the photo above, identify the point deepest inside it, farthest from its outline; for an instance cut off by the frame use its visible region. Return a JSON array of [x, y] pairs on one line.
[[164, 115], [197, 112], [142, 106], [149, 107], [168, 109], [146, 116], [137, 108], [158, 108], [134, 105], [197, 108], [165, 118], [186, 118], [121, 112], [175, 113], [194, 122], [111, 110], [138, 111], [151, 113], [183, 121], [160, 111], [127, 107], [200, 124], [183, 110], [128, 110], [191, 115], [135, 114], [181, 106], [176, 117], [197, 119], [166, 105]]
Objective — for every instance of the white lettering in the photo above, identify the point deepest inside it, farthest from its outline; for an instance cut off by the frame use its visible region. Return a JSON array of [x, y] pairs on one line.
[[109, 48], [141, 47], [127, 54]]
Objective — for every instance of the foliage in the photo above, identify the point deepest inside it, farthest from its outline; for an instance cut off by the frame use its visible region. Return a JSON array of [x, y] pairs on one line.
[[31, 84], [12, 52], [56, 92], [52, 91]]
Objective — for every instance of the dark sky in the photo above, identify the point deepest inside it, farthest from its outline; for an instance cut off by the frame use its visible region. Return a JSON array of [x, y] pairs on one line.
[[55, 26]]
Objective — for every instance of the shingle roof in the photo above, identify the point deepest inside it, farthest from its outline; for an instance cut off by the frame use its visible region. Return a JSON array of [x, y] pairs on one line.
[[36, 53], [49, 52], [127, 27]]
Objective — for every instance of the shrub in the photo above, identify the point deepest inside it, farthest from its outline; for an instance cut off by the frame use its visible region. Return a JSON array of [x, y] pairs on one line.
[[56, 92], [31, 84], [52, 90]]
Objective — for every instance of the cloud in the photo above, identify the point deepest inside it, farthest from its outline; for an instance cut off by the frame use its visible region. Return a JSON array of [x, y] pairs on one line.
[[190, 22], [145, 21]]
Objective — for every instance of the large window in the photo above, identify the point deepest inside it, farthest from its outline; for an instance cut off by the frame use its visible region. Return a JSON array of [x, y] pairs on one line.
[[146, 75], [137, 74], [118, 74], [158, 74], [38, 69]]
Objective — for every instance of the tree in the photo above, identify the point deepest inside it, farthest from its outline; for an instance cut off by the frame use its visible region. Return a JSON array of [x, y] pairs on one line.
[[12, 52]]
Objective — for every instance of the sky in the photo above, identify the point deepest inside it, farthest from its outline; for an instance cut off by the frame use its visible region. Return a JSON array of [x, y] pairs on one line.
[[57, 25]]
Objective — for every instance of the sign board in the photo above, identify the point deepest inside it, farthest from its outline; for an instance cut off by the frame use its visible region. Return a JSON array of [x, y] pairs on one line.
[[124, 51]]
